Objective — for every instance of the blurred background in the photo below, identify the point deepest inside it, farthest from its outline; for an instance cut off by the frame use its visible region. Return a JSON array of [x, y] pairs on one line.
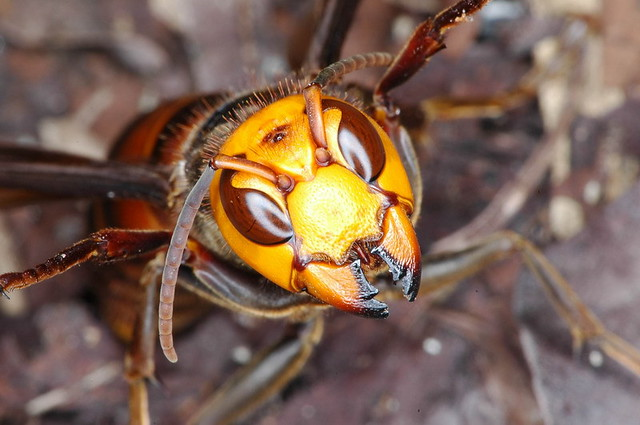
[[528, 119]]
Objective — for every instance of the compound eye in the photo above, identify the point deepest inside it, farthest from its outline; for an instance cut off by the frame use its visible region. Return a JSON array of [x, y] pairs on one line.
[[359, 141], [254, 213]]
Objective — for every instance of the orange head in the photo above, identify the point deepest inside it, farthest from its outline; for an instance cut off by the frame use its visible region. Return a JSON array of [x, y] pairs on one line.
[[343, 214]]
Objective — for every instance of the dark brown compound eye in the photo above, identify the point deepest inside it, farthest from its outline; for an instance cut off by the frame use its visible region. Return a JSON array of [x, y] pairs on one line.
[[359, 141], [254, 213]]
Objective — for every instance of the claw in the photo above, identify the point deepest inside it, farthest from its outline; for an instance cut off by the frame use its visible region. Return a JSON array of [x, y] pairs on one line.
[[408, 278], [367, 291], [410, 285], [399, 249], [344, 287], [375, 309]]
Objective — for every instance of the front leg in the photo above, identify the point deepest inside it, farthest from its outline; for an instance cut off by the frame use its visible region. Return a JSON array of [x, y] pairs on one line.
[[426, 41], [104, 246]]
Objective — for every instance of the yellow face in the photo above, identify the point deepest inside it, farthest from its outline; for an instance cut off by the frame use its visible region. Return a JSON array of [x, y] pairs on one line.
[[345, 216]]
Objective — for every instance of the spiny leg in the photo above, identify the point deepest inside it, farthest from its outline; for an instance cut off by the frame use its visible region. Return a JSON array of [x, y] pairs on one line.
[[443, 269], [101, 247], [104, 246], [266, 375], [426, 40]]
